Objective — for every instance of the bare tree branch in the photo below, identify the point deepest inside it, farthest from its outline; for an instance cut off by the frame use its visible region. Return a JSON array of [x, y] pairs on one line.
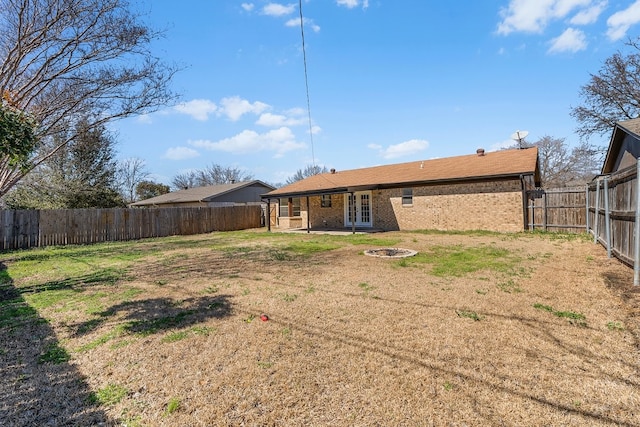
[[611, 95], [66, 59]]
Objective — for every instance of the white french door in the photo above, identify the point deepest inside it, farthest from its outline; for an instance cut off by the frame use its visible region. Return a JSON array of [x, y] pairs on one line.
[[362, 200]]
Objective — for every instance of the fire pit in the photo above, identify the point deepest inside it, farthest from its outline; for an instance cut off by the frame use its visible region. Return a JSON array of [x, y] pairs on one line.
[[390, 252]]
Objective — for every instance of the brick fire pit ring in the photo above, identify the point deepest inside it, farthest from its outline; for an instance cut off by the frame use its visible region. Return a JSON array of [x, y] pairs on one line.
[[390, 252]]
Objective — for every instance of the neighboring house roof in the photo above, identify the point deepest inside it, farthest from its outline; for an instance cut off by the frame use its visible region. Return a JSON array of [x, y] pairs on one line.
[[199, 194], [620, 154], [491, 165]]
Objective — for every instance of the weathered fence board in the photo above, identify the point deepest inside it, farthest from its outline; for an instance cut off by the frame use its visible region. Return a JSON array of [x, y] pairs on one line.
[[613, 200], [22, 229], [557, 209]]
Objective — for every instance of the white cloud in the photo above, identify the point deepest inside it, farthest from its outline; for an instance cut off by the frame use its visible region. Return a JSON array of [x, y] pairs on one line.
[[402, 149], [533, 16], [199, 109], [571, 40], [278, 141], [145, 119], [276, 120], [295, 22], [276, 9], [235, 107], [589, 15], [620, 22], [181, 153], [353, 3], [247, 6]]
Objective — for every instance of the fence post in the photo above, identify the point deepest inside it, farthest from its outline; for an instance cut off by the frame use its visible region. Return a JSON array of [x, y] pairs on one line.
[[636, 256], [595, 216], [544, 212], [587, 206], [607, 213]]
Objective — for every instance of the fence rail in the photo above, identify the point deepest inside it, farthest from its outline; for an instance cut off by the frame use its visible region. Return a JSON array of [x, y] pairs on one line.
[[558, 209], [611, 213], [21, 229]]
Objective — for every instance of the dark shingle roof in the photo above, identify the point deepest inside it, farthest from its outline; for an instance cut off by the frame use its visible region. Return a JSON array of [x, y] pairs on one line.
[[198, 194], [490, 165], [631, 127]]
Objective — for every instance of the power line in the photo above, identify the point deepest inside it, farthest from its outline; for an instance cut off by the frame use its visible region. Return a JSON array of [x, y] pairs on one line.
[[306, 83]]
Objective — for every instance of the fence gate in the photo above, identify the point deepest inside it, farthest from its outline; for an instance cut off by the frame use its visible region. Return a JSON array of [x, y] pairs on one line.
[[273, 214]]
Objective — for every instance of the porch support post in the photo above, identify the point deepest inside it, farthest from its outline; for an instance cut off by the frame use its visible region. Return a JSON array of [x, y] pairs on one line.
[[308, 216], [353, 212], [268, 215]]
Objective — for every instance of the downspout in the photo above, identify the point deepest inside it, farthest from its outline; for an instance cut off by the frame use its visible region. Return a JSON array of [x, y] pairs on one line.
[[524, 202], [308, 216]]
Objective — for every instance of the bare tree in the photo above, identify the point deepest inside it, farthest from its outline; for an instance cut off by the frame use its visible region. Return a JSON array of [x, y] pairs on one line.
[[308, 171], [211, 175], [184, 181], [131, 172], [63, 60], [611, 95], [216, 174], [562, 166]]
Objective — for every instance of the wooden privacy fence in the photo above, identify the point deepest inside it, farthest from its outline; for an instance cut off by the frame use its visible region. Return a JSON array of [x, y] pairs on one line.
[[607, 208], [612, 210], [557, 209], [21, 229]]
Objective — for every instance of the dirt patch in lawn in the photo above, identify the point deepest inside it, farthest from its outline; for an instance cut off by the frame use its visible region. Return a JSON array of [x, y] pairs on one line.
[[476, 329]]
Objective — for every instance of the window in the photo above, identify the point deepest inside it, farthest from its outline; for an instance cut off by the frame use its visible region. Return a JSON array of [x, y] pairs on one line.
[[284, 207], [290, 207], [295, 206], [407, 196], [326, 201]]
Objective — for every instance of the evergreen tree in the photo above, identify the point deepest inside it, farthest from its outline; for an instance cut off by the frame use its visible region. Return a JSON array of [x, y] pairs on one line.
[[80, 175]]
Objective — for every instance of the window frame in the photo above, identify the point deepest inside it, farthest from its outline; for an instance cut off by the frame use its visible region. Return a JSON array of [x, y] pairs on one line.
[[289, 207], [407, 197]]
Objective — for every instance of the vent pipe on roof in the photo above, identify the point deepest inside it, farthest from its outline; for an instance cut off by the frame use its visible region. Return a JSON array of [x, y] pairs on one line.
[[480, 152], [333, 170]]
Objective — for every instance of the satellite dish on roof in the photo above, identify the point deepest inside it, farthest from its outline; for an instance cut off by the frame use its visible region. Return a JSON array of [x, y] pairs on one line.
[[519, 136]]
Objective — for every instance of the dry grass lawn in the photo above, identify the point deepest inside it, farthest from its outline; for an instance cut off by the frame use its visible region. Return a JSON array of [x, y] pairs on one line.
[[478, 329]]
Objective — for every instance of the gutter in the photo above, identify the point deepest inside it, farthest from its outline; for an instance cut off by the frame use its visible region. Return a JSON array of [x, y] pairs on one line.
[[365, 187]]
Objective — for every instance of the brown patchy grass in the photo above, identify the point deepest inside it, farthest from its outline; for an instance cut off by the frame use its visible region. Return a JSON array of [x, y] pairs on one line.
[[173, 335]]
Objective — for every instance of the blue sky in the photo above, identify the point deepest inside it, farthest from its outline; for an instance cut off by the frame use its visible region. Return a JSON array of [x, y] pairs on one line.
[[389, 81]]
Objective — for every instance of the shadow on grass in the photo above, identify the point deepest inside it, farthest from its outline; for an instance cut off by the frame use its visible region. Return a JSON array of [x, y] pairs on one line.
[[105, 276], [38, 386], [150, 316]]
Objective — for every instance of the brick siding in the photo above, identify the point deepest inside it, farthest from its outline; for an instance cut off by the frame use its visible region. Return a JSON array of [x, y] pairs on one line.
[[492, 205]]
